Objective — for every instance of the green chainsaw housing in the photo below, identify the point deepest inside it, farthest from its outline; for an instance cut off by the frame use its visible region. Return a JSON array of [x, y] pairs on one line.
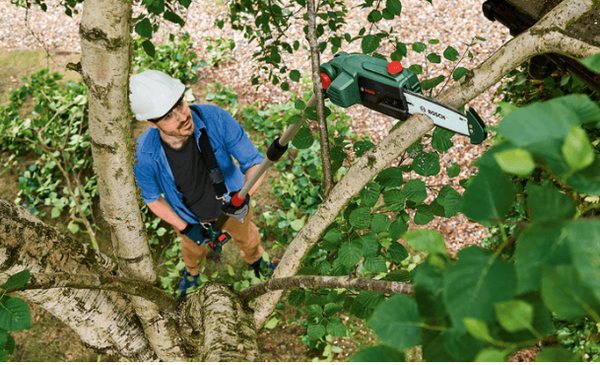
[[360, 79], [366, 80]]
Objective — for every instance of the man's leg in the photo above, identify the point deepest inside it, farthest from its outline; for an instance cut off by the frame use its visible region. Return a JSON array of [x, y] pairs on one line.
[[246, 237], [192, 254]]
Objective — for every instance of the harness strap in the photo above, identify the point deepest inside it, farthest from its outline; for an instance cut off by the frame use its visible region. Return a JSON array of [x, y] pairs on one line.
[[214, 171]]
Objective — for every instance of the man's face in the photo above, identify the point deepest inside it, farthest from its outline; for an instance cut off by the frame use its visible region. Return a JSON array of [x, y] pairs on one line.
[[178, 122]]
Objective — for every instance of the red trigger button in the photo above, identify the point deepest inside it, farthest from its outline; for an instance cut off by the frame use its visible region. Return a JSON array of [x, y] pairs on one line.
[[394, 67]]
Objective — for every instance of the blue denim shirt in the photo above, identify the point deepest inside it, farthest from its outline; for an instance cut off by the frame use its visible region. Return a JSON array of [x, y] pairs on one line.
[[227, 138]]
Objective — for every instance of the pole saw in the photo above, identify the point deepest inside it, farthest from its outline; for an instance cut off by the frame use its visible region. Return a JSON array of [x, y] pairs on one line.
[[381, 86]]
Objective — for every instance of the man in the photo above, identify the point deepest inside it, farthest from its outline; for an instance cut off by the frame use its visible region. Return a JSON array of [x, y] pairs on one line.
[[179, 182]]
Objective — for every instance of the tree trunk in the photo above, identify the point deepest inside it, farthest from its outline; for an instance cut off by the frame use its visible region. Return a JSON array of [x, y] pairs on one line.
[[546, 36], [105, 33]]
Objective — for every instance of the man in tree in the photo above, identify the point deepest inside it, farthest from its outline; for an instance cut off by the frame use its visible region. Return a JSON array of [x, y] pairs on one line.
[[185, 169]]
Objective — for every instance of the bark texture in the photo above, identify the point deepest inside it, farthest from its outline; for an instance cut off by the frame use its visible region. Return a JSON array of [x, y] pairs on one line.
[[318, 92], [328, 282], [546, 36], [105, 32], [218, 325], [102, 320]]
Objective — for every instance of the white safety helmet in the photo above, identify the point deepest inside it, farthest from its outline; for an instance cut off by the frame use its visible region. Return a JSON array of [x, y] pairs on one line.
[[153, 94]]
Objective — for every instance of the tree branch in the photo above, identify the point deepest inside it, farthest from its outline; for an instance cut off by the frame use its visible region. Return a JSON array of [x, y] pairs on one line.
[[318, 90], [325, 282], [507, 58], [99, 282]]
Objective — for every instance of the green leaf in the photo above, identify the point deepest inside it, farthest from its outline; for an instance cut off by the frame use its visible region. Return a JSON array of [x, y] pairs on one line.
[[316, 331], [538, 124], [397, 252], [10, 345], [370, 194], [565, 294], [489, 195], [272, 323], [429, 290], [452, 202], [374, 16], [416, 69], [478, 329], [334, 236], [397, 229], [577, 149], [369, 44], [380, 223], [492, 355], [454, 170], [592, 62], [375, 264], [73, 227], [148, 47], [583, 239], [394, 6], [441, 139], [303, 139], [415, 190], [350, 253], [540, 243], [336, 328], [360, 218], [515, 161], [371, 247], [433, 82], [394, 200], [459, 72], [174, 18], [295, 76], [547, 203], [144, 28], [3, 338], [419, 47], [434, 58], [426, 241], [299, 105], [331, 309], [557, 354], [378, 354], [396, 322], [451, 54], [55, 212], [297, 297], [17, 280], [475, 283], [14, 315], [390, 177], [514, 315], [427, 164], [361, 147]]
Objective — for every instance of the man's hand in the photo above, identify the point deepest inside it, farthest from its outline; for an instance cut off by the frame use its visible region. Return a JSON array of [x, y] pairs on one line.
[[197, 233], [238, 212]]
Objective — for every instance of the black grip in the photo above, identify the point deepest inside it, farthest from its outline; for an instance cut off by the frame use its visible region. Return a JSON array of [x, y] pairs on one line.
[[276, 150]]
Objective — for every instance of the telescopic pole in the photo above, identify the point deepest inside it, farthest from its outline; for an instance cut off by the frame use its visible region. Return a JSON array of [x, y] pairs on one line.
[[276, 150]]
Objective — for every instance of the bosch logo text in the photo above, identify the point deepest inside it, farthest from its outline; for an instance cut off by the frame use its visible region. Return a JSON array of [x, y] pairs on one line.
[[436, 114]]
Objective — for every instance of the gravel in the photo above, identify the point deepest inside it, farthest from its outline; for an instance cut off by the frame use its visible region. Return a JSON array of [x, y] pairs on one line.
[[454, 23]]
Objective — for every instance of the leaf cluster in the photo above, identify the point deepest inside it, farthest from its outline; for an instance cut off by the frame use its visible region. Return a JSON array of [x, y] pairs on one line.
[[14, 313]]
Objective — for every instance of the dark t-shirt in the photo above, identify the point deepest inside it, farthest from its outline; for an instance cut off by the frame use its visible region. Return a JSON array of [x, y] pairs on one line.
[[193, 181]]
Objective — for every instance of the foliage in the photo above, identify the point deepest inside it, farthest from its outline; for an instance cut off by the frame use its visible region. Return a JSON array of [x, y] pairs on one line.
[[542, 178], [175, 58], [56, 132], [14, 313], [219, 50]]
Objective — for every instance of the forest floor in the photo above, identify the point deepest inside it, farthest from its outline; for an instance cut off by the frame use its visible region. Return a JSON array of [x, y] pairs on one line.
[[22, 53]]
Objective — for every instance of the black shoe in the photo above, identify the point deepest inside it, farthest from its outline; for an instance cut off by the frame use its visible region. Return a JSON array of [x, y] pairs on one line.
[[259, 265]]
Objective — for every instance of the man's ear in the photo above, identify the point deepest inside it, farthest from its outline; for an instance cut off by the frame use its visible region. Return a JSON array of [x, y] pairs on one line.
[[151, 124]]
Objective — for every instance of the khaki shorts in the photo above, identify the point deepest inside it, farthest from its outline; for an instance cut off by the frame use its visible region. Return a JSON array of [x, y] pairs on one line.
[[245, 235]]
